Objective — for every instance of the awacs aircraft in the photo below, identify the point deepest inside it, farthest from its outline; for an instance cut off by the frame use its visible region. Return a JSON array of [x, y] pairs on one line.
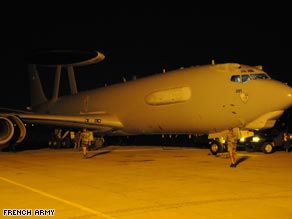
[[197, 100]]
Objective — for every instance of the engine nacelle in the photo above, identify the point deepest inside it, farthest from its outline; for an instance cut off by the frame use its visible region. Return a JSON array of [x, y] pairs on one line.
[[12, 130]]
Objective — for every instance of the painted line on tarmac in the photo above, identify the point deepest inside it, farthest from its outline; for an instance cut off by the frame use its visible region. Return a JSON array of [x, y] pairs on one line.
[[114, 150], [248, 154], [97, 213], [154, 149]]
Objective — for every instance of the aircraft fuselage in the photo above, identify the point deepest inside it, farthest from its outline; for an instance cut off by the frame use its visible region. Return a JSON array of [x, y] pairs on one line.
[[195, 100]]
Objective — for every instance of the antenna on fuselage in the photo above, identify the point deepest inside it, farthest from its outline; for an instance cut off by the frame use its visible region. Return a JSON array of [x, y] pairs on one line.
[[68, 59], [71, 78]]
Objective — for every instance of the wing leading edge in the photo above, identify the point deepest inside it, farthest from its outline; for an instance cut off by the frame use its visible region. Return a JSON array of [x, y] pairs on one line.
[[102, 122], [15, 122]]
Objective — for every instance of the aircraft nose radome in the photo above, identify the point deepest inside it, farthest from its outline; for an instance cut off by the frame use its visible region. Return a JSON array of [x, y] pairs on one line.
[[288, 94], [280, 93]]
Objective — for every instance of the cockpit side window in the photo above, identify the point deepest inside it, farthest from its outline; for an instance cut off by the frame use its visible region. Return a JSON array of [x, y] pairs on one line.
[[236, 78]]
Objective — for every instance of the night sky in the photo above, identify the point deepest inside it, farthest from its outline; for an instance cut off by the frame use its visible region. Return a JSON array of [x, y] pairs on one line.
[[139, 43]]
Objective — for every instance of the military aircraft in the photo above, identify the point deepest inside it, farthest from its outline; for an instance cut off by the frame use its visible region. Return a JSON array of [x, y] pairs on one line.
[[197, 100]]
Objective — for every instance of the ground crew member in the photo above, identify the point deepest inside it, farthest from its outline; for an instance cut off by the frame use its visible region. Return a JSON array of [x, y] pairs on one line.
[[231, 146], [286, 141], [77, 140], [85, 142]]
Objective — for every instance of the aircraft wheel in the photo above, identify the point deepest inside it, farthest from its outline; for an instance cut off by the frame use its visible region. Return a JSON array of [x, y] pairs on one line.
[[216, 147], [99, 142], [54, 143], [66, 143], [268, 147]]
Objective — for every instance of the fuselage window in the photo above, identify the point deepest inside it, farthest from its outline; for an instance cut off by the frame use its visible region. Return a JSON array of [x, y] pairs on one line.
[[236, 78]]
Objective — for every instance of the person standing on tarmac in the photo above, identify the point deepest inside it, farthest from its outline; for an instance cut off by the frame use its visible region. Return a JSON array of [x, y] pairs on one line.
[[77, 139], [286, 141], [231, 146], [85, 142]]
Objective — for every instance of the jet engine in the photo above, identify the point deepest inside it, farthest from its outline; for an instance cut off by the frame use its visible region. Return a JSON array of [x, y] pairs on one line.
[[12, 130]]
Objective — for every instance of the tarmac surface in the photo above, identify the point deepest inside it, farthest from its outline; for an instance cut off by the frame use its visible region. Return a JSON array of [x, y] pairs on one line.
[[139, 182]]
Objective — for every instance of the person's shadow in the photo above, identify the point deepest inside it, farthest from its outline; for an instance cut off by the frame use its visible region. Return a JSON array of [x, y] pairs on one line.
[[241, 159], [99, 153]]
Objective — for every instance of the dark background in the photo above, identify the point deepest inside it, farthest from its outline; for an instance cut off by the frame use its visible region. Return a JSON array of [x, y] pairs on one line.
[[140, 42]]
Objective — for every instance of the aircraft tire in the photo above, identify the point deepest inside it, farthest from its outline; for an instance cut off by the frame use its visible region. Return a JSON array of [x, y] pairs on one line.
[[66, 143], [54, 143]]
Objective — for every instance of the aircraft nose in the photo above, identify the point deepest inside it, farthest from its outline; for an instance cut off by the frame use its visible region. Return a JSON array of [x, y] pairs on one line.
[[287, 95], [279, 94]]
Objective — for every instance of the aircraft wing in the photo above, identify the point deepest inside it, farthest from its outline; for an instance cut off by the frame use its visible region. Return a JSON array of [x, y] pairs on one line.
[[100, 122]]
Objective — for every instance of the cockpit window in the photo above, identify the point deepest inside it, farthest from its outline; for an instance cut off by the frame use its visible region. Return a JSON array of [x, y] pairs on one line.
[[259, 76], [247, 77], [236, 78]]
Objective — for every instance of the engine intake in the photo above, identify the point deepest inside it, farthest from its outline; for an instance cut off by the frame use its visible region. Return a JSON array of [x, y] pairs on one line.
[[12, 130]]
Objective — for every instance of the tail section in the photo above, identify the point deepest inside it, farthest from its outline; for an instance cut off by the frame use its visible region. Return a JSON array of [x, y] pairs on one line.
[[37, 95]]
